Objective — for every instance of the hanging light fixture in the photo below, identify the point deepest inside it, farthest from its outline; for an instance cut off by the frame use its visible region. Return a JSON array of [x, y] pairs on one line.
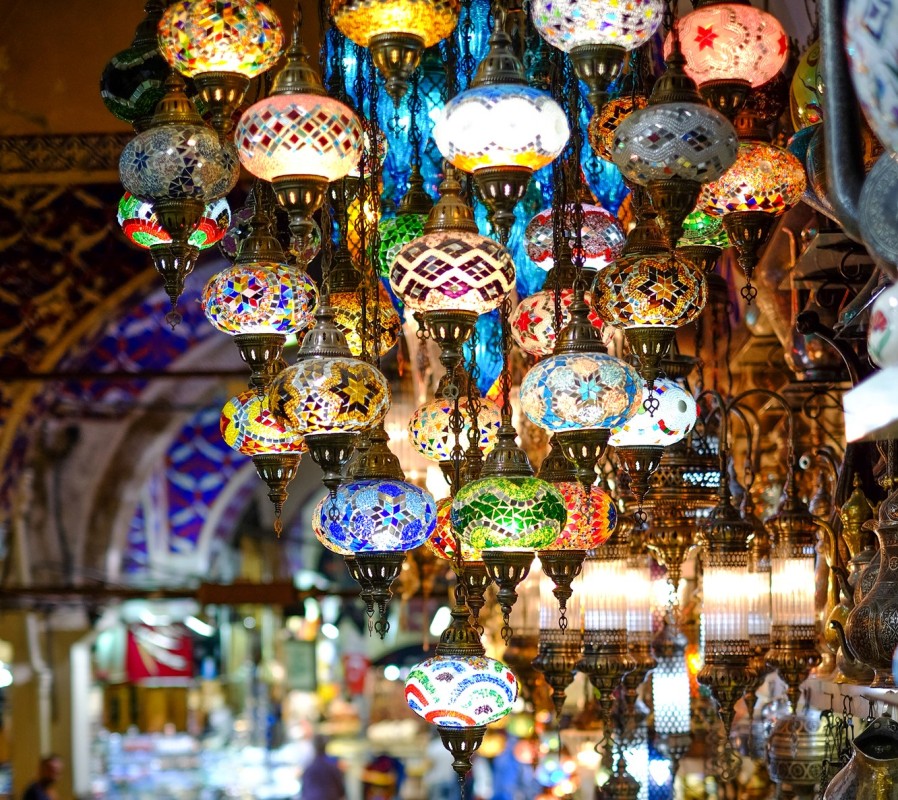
[[674, 145], [759, 612], [141, 226], [597, 36], [559, 649], [249, 427], [222, 45], [406, 226], [580, 393], [378, 516], [591, 517], [299, 139], [460, 690], [640, 441], [501, 129], [604, 124], [329, 396], [763, 183], [396, 32], [601, 239], [523, 646], [730, 48], [671, 694], [702, 243], [178, 165], [639, 617], [260, 299]]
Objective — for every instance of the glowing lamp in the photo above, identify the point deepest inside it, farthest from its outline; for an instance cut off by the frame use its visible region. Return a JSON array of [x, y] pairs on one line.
[[604, 124], [140, 224], [443, 542], [430, 427], [533, 321], [601, 238]]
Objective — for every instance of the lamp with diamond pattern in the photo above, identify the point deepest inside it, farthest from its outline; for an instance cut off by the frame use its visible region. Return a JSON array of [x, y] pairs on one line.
[[604, 124], [179, 165], [299, 139], [601, 238], [249, 427], [261, 298], [674, 145], [501, 129]]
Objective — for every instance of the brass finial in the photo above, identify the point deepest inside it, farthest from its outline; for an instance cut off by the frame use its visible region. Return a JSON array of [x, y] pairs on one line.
[[500, 64], [261, 243], [451, 212], [175, 107]]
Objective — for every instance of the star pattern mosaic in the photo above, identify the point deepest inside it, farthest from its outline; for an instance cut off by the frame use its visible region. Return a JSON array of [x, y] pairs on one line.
[[378, 515], [454, 270], [508, 513], [347, 308], [249, 427], [461, 692], [661, 291], [430, 429], [533, 321]]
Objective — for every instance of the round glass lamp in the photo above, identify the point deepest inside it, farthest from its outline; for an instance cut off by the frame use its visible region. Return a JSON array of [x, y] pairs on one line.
[[299, 139], [806, 90], [347, 308], [430, 428], [730, 48], [407, 225], [533, 321], [701, 229], [442, 542], [140, 224], [601, 237], [249, 427], [604, 124], [378, 515], [397, 32], [597, 35], [320, 532], [501, 129], [590, 518], [508, 513], [222, 45]]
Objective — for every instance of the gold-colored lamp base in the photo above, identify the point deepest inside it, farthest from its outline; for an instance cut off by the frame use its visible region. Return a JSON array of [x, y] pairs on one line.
[[749, 232], [380, 569], [726, 96], [277, 470], [222, 93], [263, 354], [501, 188], [507, 568], [598, 66], [331, 451], [396, 56]]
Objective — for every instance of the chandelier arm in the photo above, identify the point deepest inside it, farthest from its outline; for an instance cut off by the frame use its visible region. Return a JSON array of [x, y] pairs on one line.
[[722, 447], [790, 419]]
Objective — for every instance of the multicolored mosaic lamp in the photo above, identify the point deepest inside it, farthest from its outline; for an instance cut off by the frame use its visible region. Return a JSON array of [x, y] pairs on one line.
[[604, 124], [650, 296], [641, 440], [178, 165], [443, 542], [222, 45], [730, 47], [139, 223], [764, 183], [397, 32], [299, 139], [500, 129], [377, 515], [132, 80], [460, 690], [408, 224], [674, 145], [597, 35], [533, 320], [806, 90], [249, 427], [601, 238], [580, 393], [260, 299], [329, 396]]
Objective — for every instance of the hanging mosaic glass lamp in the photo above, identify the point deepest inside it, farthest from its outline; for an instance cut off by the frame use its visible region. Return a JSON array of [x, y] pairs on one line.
[[396, 32], [328, 396], [597, 36], [260, 299], [750, 196], [179, 166], [640, 441], [249, 427], [703, 242], [460, 690], [591, 518], [222, 45], [408, 224], [674, 145], [604, 124], [580, 393], [649, 292], [378, 516], [299, 139], [500, 129], [730, 48], [141, 226]]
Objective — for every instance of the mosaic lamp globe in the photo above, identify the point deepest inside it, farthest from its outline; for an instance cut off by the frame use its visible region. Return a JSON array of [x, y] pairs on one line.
[[452, 268], [299, 139], [601, 237], [701, 229], [597, 35], [533, 320], [806, 91], [320, 531], [397, 32], [604, 124], [443, 542], [378, 515], [141, 226], [501, 130], [222, 45], [730, 48], [249, 427], [407, 225], [674, 145], [674, 417], [430, 427]]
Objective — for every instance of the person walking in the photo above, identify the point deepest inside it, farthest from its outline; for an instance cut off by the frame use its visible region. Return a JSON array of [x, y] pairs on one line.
[[322, 778]]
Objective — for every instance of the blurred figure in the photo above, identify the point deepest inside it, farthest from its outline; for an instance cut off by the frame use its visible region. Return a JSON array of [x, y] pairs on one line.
[[441, 781], [44, 788], [322, 778]]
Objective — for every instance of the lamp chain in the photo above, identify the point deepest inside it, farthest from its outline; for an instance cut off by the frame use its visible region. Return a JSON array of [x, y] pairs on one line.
[[474, 455], [504, 312], [414, 110], [559, 188]]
